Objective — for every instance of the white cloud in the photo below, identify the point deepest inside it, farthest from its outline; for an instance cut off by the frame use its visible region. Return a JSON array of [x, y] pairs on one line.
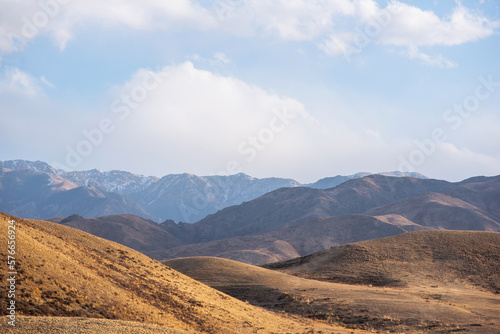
[[47, 82], [196, 111], [411, 26], [289, 20], [295, 20], [454, 163], [221, 58], [22, 21], [313, 19], [16, 82], [196, 121], [333, 25], [143, 15], [437, 61], [341, 43], [403, 25]]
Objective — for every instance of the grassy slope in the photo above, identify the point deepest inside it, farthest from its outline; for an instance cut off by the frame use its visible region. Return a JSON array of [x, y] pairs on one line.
[[66, 272], [431, 292], [460, 257]]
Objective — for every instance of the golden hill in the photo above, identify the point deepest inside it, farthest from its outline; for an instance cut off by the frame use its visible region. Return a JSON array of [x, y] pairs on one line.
[[434, 256], [66, 272], [427, 302]]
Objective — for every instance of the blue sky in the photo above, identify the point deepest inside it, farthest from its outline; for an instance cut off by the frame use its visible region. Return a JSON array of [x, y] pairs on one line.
[[301, 89]]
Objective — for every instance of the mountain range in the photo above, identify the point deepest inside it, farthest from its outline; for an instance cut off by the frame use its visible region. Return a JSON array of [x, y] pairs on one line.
[[34, 194], [278, 225], [179, 197], [291, 222], [298, 221], [373, 254]]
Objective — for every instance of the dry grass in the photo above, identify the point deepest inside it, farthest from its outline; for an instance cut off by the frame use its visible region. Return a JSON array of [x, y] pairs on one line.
[[422, 307], [65, 325], [66, 272], [453, 258]]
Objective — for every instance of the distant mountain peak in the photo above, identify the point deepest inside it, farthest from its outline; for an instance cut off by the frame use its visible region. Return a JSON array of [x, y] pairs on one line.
[[331, 182], [35, 166]]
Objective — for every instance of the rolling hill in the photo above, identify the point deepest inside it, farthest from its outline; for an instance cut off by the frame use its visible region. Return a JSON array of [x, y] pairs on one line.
[[298, 240], [62, 271], [436, 257], [129, 230], [482, 192], [423, 305], [440, 211]]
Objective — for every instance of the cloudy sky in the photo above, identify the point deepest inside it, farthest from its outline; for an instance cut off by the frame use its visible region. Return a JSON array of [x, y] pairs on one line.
[[289, 88]]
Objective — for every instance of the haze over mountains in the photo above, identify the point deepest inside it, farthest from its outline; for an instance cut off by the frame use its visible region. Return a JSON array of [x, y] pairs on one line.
[[291, 221], [33, 194], [280, 224], [179, 197], [296, 221]]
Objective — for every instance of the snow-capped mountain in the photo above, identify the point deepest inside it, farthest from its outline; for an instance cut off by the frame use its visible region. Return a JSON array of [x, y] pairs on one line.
[[189, 198], [35, 166], [33, 193], [181, 197], [121, 182]]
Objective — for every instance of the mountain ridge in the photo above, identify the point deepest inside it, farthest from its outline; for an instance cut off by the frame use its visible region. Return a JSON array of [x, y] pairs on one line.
[[180, 197]]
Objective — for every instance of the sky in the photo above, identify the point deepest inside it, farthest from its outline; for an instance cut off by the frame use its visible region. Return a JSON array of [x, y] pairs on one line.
[[300, 89]]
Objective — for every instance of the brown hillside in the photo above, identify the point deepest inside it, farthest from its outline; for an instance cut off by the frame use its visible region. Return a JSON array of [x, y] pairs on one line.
[[422, 309], [289, 206], [484, 194], [305, 238], [66, 272], [436, 257], [129, 230], [439, 211]]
